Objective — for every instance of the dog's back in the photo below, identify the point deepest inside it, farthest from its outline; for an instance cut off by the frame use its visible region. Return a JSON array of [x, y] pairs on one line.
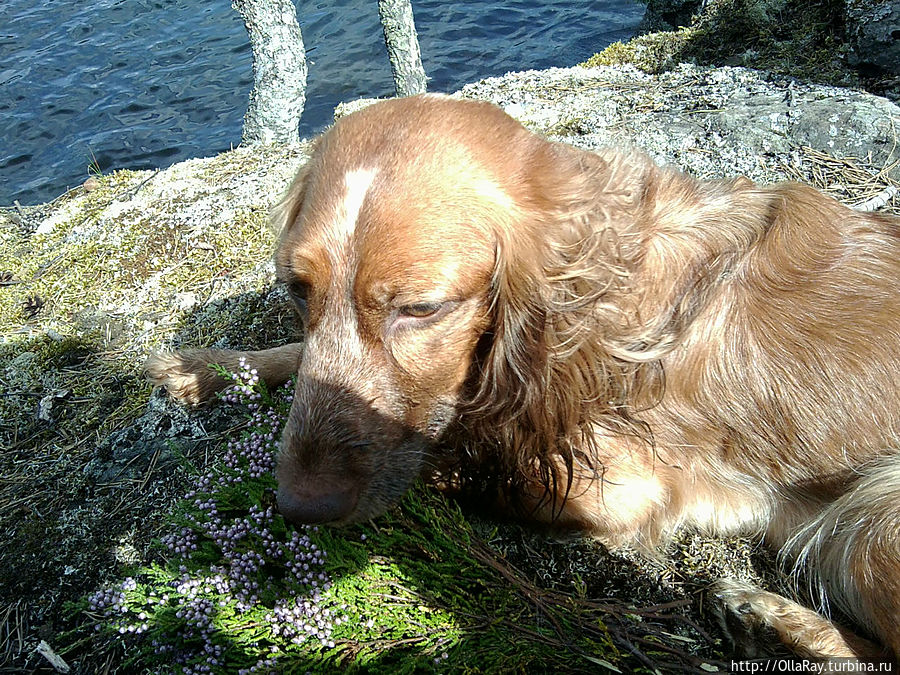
[[776, 316]]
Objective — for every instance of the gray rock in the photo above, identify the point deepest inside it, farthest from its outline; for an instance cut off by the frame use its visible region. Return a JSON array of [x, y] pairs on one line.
[[669, 14], [873, 27], [712, 122], [165, 432]]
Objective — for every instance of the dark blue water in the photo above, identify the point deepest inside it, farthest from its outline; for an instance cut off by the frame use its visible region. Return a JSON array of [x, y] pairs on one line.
[[146, 83]]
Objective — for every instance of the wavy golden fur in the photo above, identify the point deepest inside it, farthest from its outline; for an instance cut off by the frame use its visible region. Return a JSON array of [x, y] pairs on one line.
[[601, 342]]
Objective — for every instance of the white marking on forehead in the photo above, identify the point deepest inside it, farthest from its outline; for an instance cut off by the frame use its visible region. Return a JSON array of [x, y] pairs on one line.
[[339, 322], [357, 184]]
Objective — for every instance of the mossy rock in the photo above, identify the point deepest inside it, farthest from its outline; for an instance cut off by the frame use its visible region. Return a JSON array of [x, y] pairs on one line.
[[804, 39]]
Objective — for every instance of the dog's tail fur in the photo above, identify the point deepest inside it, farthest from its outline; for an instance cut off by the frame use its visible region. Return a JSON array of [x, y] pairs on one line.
[[850, 552]]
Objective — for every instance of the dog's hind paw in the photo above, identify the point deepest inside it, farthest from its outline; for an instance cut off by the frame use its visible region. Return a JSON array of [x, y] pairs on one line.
[[741, 609], [758, 622]]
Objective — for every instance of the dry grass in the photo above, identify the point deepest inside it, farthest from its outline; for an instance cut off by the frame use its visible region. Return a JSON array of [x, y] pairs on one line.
[[853, 181]]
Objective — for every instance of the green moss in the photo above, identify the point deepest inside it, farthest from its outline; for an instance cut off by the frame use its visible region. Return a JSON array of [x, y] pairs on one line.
[[58, 390], [61, 352], [137, 249], [62, 264], [651, 53]]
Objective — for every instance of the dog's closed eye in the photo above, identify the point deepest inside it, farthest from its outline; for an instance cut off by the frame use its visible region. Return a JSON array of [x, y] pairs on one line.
[[421, 314], [421, 310]]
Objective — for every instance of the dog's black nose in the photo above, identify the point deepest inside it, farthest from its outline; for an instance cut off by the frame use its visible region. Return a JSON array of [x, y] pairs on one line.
[[310, 506]]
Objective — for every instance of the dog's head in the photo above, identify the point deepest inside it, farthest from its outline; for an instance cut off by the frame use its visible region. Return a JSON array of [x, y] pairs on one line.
[[411, 247]]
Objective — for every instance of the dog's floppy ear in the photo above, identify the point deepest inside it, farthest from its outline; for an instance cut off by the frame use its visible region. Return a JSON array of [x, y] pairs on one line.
[[546, 363], [544, 264], [514, 370], [284, 214], [525, 367], [507, 407]]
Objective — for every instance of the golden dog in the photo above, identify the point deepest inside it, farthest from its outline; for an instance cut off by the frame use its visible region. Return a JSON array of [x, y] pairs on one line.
[[596, 341]]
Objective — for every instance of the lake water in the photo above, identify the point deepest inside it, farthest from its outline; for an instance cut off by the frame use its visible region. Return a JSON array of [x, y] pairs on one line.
[[146, 83]]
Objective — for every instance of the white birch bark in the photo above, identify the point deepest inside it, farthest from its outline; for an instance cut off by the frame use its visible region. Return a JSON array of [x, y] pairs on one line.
[[403, 46], [279, 71]]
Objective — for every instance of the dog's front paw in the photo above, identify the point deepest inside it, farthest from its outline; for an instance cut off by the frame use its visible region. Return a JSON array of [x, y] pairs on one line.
[[187, 376]]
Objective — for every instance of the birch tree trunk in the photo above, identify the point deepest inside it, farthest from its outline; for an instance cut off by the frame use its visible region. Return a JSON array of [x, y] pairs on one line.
[[403, 46], [279, 71]]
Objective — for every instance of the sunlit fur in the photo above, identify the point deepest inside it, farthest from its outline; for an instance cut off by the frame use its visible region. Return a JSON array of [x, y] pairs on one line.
[[628, 351]]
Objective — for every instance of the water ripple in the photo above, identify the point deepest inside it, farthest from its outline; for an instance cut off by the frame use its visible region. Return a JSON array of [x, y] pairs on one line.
[[145, 83]]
